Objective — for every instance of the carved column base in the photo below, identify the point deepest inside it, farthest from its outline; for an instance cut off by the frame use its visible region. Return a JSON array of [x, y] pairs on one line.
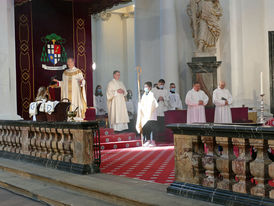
[[258, 168], [184, 170], [271, 168], [209, 180], [208, 162]]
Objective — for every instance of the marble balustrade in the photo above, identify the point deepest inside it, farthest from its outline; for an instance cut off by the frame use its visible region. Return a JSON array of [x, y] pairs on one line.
[[219, 156], [69, 145]]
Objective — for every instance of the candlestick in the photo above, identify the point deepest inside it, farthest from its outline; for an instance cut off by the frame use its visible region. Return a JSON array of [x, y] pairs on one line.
[[261, 117], [262, 84]]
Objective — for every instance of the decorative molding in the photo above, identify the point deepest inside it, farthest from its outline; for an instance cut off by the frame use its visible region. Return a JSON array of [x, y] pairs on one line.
[[104, 16], [127, 15]]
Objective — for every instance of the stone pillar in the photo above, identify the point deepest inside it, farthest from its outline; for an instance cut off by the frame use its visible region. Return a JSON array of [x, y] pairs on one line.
[[168, 42], [82, 146], [259, 167], [204, 71], [240, 166], [209, 163], [185, 164], [223, 163], [8, 108], [271, 168]]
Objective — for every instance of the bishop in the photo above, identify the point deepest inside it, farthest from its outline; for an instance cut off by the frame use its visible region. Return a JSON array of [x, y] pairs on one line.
[[73, 88]]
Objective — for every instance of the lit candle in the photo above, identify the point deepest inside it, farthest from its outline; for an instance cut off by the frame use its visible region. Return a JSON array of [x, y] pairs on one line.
[[262, 84]]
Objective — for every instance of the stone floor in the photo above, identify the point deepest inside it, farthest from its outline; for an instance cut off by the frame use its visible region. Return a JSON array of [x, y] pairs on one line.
[[61, 188], [8, 198]]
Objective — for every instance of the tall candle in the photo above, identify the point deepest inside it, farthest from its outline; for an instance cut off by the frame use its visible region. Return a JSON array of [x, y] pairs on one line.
[[262, 84]]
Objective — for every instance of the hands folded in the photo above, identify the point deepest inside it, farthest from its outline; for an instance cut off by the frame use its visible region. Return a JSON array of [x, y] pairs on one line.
[[120, 91]]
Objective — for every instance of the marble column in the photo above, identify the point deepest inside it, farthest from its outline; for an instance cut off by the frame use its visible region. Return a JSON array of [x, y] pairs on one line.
[[168, 42], [8, 108]]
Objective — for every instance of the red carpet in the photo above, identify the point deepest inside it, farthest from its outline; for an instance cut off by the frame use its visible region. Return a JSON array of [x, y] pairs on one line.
[[154, 164], [110, 140]]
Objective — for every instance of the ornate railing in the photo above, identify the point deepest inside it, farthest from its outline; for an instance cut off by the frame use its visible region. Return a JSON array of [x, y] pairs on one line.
[[227, 164], [71, 146]]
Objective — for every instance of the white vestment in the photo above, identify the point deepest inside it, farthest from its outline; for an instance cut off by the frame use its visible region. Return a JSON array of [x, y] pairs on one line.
[[146, 110], [222, 111], [100, 104], [163, 105], [175, 101], [73, 88], [117, 109], [196, 112]]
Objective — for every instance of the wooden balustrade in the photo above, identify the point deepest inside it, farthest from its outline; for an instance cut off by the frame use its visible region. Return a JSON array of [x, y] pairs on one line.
[[235, 158], [68, 145]]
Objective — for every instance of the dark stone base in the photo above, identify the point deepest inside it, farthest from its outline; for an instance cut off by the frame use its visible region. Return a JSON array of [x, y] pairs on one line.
[[217, 196], [55, 164], [204, 59]]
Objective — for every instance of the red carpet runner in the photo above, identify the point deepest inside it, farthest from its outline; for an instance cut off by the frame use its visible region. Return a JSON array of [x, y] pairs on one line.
[[111, 140], [154, 164]]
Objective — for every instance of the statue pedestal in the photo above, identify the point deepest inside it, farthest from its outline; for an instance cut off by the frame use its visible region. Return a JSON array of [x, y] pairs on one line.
[[204, 71]]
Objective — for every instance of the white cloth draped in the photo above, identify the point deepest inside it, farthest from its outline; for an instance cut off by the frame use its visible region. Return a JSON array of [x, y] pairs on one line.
[[163, 105], [146, 110], [196, 112], [222, 111], [33, 109], [117, 109], [43, 105], [50, 106], [175, 101]]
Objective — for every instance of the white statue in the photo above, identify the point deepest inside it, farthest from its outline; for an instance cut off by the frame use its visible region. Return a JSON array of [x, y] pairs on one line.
[[205, 18]]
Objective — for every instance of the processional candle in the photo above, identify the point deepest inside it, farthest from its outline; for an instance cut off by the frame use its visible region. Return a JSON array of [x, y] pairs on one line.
[[262, 84]]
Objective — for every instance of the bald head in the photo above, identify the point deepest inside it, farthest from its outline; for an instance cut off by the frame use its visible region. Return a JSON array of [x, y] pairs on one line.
[[222, 84]]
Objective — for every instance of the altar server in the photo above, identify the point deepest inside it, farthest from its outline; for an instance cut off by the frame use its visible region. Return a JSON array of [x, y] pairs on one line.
[[100, 103], [73, 88], [222, 99], [117, 109], [147, 116], [162, 97], [196, 100], [175, 102]]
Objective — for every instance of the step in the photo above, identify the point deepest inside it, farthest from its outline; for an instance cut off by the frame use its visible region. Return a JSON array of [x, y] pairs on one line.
[[46, 192], [118, 137], [57, 187], [106, 131], [121, 145]]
